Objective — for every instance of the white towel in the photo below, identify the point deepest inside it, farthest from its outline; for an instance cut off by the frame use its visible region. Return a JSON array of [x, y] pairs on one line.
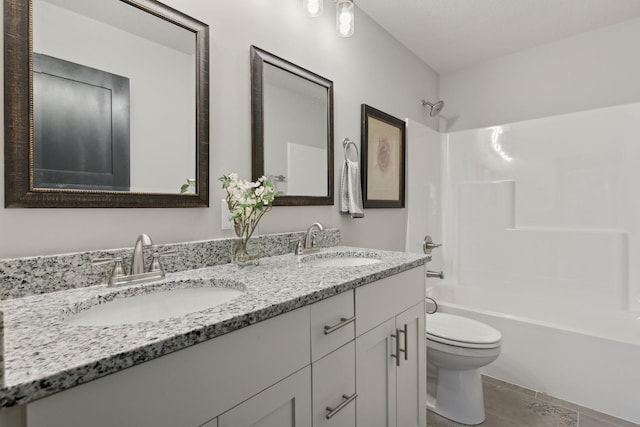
[[350, 190]]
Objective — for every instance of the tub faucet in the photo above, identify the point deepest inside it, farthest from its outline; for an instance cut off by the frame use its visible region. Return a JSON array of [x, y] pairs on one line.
[[137, 259]]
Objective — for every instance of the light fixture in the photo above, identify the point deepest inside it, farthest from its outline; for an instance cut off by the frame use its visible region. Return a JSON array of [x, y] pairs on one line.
[[345, 18], [345, 15], [312, 7]]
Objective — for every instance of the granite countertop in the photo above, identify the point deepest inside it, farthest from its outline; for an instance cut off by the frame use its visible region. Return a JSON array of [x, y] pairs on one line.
[[45, 355]]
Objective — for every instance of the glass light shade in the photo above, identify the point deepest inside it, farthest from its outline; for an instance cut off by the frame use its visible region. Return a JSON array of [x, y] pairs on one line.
[[345, 18], [313, 8]]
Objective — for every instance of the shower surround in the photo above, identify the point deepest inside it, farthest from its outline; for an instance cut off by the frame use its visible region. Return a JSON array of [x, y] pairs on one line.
[[541, 223], [549, 204]]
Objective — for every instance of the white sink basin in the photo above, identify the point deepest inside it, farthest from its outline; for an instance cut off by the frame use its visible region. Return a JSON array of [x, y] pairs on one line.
[[154, 305], [341, 261]]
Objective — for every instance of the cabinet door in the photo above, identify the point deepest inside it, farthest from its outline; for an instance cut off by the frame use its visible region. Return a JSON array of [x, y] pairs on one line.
[[334, 386], [285, 404], [376, 377], [411, 374]]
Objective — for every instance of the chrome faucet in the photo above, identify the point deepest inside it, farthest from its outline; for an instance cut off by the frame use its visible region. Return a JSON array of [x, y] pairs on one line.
[[137, 273], [137, 259]]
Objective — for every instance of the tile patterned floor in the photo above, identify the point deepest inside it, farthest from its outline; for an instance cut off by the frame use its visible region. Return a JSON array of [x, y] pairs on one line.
[[507, 405]]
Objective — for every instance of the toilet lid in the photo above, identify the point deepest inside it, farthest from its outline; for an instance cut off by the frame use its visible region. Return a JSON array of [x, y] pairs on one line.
[[460, 329]]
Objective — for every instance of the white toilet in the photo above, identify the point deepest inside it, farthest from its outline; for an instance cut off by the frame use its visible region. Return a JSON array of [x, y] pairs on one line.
[[456, 348]]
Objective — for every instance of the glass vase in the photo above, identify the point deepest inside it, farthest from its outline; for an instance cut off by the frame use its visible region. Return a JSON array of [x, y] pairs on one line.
[[242, 255]]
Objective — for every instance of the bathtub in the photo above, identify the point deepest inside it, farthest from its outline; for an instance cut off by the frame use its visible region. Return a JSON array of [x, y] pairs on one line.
[[581, 352]]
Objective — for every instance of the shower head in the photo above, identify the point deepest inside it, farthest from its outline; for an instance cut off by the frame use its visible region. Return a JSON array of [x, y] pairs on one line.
[[435, 109]]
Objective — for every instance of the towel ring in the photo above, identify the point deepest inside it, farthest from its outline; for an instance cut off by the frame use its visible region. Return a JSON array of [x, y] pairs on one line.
[[346, 143]]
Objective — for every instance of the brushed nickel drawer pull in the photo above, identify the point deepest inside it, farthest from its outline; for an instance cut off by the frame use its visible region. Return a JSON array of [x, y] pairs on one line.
[[347, 399], [406, 341], [398, 351], [343, 322]]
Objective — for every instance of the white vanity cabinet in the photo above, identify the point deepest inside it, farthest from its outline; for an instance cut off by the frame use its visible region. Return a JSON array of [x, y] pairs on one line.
[[328, 364], [390, 352]]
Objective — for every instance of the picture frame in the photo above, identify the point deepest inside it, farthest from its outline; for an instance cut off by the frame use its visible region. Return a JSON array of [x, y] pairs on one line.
[[383, 148]]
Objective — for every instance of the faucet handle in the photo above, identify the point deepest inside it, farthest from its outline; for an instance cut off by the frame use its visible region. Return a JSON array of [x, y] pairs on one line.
[[155, 260], [428, 245], [298, 242], [116, 273]]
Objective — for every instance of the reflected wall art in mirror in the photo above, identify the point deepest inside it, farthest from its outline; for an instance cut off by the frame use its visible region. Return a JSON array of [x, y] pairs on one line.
[[106, 104], [292, 130]]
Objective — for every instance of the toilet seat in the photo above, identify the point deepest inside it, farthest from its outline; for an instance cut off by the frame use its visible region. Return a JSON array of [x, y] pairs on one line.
[[462, 344], [461, 332]]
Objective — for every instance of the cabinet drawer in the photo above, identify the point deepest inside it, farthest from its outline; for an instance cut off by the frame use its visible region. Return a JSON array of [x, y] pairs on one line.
[[334, 383], [332, 324], [382, 300]]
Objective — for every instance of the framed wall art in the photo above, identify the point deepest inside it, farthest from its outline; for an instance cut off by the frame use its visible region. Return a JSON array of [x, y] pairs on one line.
[[382, 157]]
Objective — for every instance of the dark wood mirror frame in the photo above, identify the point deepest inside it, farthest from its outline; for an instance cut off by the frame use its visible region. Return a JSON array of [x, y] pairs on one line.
[[258, 58], [18, 120]]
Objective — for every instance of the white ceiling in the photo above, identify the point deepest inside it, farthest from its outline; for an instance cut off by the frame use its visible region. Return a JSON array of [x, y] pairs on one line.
[[453, 34]]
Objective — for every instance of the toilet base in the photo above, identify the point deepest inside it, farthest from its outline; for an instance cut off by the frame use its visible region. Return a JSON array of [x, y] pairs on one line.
[[459, 396]]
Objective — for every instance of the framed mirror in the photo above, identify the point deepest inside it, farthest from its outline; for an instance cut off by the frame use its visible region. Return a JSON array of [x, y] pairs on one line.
[[291, 130], [106, 105]]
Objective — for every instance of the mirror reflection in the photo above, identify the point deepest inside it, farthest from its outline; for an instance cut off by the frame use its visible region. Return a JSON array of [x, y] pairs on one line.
[[114, 98], [295, 133], [292, 120]]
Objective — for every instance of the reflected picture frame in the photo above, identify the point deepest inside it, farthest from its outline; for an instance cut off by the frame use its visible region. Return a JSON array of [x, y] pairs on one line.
[[383, 152]]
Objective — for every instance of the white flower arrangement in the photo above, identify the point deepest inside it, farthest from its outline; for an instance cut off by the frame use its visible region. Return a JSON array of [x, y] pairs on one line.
[[247, 202]]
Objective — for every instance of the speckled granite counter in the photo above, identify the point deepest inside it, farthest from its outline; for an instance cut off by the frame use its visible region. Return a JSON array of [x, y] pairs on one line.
[[44, 355]]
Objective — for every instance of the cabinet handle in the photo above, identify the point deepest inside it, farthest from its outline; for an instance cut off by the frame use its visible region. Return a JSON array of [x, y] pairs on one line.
[[406, 341], [343, 322], [398, 351], [346, 400]]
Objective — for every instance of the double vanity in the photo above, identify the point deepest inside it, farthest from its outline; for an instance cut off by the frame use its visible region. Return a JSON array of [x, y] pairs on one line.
[[330, 338]]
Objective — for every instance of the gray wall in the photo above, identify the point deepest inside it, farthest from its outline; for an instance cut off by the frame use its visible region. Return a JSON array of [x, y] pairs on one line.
[[595, 69], [370, 68]]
